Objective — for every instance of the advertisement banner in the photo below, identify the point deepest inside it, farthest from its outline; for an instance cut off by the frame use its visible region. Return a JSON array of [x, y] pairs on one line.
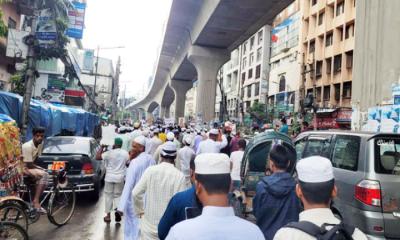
[[76, 20], [88, 60], [46, 30], [383, 119]]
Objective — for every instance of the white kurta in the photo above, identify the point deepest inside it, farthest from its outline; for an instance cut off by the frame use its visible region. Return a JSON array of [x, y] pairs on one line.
[[183, 160], [155, 142], [318, 216], [215, 223], [211, 146], [134, 173], [159, 183]]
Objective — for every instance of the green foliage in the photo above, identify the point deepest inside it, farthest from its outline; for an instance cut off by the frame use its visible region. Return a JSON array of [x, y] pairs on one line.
[[18, 83], [257, 112], [3, 25]]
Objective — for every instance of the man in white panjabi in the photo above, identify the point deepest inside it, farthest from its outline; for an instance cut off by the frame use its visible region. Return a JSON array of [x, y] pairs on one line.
[[159, 183], [211, 145]]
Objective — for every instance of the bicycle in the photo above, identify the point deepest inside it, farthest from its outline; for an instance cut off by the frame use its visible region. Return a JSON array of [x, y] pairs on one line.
[[60, 197], [10, 230]]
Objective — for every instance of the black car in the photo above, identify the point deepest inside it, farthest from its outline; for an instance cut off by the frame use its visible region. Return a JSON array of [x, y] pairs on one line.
[[79, 155]]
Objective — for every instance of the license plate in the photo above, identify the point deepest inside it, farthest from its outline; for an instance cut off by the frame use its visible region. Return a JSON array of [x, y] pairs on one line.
[[56, 166]]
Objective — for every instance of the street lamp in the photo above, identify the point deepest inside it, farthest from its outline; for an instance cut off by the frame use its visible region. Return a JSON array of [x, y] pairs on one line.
[[97, 66]]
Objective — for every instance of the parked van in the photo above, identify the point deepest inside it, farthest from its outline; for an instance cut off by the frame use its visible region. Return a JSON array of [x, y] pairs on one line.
[[367, 175]]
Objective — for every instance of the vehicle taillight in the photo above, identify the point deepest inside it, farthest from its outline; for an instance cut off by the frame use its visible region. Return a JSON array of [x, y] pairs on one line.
[[369, 192], [87, 168]]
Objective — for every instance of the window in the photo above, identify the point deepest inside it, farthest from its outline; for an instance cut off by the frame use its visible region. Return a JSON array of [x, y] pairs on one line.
[[319, 94], [339, 9], [248, 91], [349, 31], [329, 39], [251, 59], [347, 90], [327, 93], [248, 105], [337, 91], [337, 63], [328, 65], [349, 59], [340, 33], [259, 54], [243, 77], [318, 69], [258, 71], [244, 48], [300, 145], [251, 43], [282, 84], [387, 154], [242, 93], [260, 37], [317, 146], [257, 89], [244, 63], [250, 73], [321, 18], [313, 2], [312, 46], [345, 152], [12, 24]]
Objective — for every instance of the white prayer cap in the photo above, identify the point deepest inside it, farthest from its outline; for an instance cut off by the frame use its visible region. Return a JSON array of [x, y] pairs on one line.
[[146, 133], [170, 136], [156, 130], [212, 163], [168, 149], [214, 131], [315, 169], [140, 140], [136, 125], [188, 140]]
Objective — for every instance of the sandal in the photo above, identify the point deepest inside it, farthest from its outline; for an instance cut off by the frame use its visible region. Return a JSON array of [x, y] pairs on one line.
[[107, 218], [41, 210], [117, 216]]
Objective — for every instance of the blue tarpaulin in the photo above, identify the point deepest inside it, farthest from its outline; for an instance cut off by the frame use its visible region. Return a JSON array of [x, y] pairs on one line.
[[53, 117]]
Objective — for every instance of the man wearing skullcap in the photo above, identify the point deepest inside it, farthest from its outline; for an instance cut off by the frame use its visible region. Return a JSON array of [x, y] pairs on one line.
[[184, 155], [217, 220], [115, 162], [316, 189], [155, 142], [170, 138], [211, 145], [139, 163], [159, 183]]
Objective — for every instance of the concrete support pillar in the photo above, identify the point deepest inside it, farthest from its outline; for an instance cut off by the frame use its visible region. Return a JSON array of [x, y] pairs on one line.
[[167, 112], [180, 88], [149, 117], [163, 111], [207, 62]]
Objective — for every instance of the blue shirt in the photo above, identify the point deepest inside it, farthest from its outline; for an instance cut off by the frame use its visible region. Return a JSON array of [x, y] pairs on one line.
[[175, 211], [284, 129], [215, 223]]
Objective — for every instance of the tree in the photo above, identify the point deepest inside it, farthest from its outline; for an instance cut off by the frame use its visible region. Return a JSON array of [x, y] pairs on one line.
[[257, 112], [3, 25]]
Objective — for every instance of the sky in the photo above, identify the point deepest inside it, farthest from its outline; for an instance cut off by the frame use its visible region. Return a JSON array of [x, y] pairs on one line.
[[137, 25]]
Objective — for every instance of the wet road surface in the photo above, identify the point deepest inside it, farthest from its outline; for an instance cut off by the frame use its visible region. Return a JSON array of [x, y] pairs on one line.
[[86, 224]]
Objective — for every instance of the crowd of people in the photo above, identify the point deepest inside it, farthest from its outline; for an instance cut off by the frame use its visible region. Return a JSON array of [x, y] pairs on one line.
[[174, 183]]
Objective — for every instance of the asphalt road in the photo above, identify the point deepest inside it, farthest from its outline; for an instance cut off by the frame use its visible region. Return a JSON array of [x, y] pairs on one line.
[[86, 224]]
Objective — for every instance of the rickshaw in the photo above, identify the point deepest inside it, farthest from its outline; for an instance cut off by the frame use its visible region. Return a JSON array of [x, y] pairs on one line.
[[255, 164]]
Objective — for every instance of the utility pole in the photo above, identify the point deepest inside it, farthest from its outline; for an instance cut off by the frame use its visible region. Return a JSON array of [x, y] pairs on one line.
[[116, 90], [95, 75], [30, 77]]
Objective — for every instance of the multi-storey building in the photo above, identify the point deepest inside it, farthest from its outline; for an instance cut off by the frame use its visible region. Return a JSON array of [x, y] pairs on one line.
[[285, 72], [327, 44], [11, 18]]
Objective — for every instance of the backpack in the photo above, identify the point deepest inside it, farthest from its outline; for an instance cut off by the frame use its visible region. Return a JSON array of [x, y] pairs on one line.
[[339, 231]]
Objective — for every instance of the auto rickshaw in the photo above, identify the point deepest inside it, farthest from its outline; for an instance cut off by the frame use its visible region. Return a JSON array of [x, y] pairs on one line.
[[255, 164]]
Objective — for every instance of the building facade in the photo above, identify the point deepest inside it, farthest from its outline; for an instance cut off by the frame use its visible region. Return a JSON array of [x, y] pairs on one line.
[[12, 19], [285, 71], [327, 44]]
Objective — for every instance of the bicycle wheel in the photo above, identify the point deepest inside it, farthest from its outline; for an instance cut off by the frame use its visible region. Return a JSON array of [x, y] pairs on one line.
[[12, 212], [10, 230], [61, 206]]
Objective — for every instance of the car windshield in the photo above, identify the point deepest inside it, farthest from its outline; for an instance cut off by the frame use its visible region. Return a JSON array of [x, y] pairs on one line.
[[66, 146], [387, 156]]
